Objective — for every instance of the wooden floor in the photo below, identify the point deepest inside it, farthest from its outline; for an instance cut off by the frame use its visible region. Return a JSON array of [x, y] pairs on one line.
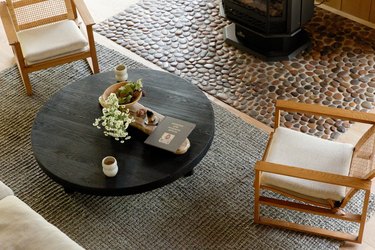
[[103, 9]]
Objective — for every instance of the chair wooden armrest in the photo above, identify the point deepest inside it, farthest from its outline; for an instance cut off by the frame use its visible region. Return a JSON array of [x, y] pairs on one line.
[[316, 109], [84, 12], [313, 175], [8, 24]]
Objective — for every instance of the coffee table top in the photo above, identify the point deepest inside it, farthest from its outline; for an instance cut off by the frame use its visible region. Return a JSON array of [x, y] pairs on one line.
[[69, 149]]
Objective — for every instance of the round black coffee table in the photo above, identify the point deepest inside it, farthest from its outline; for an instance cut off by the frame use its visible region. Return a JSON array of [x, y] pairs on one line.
[[69, 149]]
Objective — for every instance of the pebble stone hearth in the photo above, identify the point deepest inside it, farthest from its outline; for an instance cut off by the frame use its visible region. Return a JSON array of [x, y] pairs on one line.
[[186, 38]]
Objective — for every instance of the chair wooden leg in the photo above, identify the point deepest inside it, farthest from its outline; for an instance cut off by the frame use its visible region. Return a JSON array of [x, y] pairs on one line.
[[363, 217], [26, 83], [93, 63], [21, 67], [256, 197], [25, 80]]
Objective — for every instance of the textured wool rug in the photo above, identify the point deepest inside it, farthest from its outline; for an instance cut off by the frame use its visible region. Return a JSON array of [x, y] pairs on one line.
[[186, 38], [210, 210]]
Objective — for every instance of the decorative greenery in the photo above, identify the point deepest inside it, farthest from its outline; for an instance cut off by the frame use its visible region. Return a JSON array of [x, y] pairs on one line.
[[114, 121], [129, 91]]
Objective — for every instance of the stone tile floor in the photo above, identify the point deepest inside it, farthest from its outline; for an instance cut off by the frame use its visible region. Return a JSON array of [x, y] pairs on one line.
[[185, 38]]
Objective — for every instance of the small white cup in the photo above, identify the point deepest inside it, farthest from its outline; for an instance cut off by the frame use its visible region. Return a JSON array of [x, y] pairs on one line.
[[121, 73], [109, 164]]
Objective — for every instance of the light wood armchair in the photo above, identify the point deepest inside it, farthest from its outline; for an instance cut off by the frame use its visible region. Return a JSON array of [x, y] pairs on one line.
[[272, 172], [44, 33]]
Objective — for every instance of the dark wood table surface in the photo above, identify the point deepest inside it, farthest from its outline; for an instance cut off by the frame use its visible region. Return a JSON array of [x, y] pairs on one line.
[[69, 149]]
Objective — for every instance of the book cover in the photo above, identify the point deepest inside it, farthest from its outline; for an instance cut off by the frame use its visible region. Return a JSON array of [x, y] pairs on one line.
[[170, 134]]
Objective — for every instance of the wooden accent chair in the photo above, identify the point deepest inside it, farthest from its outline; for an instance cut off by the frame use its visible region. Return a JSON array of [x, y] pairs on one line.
[[323, 174], [44, 33]]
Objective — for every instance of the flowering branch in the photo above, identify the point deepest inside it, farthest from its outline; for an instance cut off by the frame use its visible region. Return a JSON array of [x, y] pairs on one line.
[[114, 121]]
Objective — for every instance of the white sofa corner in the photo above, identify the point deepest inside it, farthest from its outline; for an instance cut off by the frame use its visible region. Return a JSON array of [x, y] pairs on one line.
[[23, 228]]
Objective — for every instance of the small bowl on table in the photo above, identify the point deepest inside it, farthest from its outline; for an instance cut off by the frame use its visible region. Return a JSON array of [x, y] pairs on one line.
[[113, 89]]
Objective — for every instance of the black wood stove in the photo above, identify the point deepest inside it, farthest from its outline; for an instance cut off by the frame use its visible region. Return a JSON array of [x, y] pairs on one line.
[[270, 29]]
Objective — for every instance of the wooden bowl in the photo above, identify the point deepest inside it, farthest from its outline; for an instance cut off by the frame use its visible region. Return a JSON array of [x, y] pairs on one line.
[[113, 89]]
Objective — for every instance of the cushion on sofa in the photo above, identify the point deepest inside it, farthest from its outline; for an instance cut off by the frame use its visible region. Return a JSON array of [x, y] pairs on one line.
[[4, 190], [23, 228]]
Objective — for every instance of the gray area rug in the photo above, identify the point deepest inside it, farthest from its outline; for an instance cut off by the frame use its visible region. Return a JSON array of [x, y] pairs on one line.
[[212, 209], [186, 38]]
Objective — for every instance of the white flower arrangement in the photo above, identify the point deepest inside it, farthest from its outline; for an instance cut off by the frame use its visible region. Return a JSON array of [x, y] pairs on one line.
[[114, 121]]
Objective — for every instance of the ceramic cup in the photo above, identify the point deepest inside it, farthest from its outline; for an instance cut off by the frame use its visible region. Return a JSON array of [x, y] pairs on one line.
[[109, 165], [121, 73]]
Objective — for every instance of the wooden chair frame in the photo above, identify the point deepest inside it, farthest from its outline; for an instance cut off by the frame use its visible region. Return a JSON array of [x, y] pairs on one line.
[[327, 208], [11, 27]]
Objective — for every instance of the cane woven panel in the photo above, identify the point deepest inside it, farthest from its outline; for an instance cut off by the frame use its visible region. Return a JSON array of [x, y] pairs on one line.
[[363, 163], [31, 13]]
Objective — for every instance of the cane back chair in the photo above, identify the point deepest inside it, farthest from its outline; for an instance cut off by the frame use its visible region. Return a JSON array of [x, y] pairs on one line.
[[320, 175], [45, 33]]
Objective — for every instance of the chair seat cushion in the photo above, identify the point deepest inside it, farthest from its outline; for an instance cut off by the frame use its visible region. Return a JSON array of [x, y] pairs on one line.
[[296, 149], [51, 41]]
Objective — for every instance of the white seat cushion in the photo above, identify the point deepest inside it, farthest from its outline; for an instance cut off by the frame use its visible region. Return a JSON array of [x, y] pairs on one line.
[[51, 41], [23, 228], [4, 190], [292, 148]]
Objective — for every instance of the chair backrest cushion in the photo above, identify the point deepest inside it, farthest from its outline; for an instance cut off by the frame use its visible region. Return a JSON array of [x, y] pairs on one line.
[[292, 148]]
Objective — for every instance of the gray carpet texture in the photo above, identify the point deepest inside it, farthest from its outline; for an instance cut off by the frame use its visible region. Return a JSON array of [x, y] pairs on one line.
[[213, 209]]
